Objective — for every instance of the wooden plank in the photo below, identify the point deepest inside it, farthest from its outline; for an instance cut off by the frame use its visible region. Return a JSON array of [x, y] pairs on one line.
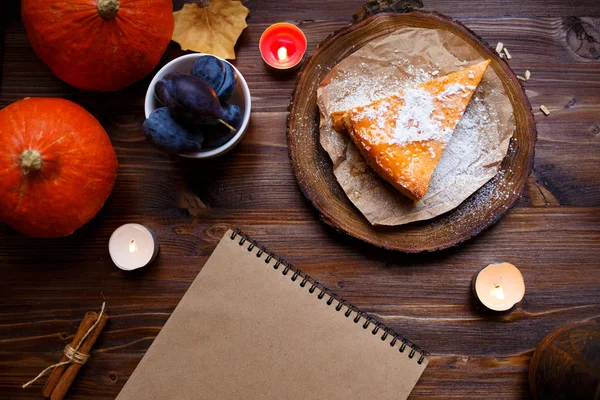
[[348, 266], [316, 10], [537, 44], [3, 20], [552, 235], [445, 309], [446, 377]]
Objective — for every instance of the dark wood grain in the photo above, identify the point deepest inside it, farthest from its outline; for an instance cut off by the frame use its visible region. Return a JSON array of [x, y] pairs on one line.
[[552, 234]]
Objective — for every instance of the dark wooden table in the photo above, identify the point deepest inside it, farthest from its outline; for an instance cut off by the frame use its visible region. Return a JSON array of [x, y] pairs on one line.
[[552, 234]]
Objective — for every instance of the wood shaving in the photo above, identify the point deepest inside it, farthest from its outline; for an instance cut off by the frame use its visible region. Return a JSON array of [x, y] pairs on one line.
[[499, 47], [544, 110], [521, 78], [507, 54]]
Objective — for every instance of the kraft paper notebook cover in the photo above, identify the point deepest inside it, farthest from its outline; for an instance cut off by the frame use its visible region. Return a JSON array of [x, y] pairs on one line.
[[254, 326]]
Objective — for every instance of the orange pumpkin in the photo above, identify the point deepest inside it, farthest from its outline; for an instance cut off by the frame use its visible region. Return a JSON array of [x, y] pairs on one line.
[[57, 164], [102, 45]]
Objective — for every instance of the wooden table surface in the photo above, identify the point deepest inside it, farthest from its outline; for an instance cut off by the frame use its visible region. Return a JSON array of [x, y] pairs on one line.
[[552, 234]]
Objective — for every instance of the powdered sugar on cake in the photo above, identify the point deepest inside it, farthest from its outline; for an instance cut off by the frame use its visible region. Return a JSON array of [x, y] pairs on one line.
[[414, 121], [417, 118], [381, 112], [359, 88], [453, 90]]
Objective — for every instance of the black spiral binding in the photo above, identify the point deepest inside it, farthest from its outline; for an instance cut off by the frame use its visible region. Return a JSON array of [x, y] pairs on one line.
[[315, 285]]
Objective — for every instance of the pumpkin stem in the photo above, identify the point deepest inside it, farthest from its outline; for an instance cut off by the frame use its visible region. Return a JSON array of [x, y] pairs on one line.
[[31, 161], [107, 9]]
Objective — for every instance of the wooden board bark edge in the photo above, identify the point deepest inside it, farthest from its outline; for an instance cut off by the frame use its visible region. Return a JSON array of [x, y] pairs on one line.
[[406, 238]]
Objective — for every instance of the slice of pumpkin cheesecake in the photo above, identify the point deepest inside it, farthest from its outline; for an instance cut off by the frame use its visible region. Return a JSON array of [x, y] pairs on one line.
[[403, 136]]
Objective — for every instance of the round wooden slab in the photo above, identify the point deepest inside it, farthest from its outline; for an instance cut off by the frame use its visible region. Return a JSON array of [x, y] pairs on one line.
[[314, 170]]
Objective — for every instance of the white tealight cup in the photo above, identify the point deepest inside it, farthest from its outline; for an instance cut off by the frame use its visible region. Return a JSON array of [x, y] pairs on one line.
[[132, 246], [499, 286]]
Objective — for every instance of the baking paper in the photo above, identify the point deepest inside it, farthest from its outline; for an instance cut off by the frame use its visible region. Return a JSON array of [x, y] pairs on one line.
[[385, 66]]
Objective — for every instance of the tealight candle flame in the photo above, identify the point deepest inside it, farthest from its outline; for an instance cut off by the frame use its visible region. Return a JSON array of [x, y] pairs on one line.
[[497, 292], [132, 246], [282, 53]]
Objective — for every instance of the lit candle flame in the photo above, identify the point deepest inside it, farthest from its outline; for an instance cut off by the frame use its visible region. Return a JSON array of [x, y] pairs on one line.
[[132, 246], [282, 53], [497, 292]]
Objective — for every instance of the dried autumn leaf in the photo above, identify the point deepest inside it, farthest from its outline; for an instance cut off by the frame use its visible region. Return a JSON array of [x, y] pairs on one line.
[[211, 26]]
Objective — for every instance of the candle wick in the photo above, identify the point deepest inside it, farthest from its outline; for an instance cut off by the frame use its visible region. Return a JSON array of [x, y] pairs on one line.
[[497, 292], [282, 53]]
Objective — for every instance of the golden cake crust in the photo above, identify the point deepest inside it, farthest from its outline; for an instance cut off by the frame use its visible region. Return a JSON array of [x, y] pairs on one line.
[[403, 136]]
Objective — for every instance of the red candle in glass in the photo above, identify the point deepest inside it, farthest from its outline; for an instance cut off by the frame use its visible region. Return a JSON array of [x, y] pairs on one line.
[[282, 45]]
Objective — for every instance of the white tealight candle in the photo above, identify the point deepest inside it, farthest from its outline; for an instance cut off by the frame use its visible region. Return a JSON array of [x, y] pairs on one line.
[[132, 246], [499, 286]]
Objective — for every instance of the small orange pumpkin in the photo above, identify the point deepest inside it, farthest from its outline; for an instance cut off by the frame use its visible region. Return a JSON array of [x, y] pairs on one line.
[[58, 166], [102, 45]]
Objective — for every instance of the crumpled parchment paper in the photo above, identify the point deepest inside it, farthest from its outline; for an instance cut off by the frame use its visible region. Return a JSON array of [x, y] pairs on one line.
[[407, 57]]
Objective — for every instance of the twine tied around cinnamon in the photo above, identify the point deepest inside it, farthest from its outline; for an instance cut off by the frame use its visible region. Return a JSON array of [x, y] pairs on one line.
[[73, 355]]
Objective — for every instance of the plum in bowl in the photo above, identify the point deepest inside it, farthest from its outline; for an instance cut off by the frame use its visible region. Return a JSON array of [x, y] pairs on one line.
[[171, 127]]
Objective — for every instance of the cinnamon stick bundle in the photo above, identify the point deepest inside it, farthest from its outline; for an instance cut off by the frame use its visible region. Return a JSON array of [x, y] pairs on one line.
[[89, 320], [75, 355], [67, 378]]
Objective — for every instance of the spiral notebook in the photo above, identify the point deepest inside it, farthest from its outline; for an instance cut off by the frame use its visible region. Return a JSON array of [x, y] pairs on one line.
[[253, 326]]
